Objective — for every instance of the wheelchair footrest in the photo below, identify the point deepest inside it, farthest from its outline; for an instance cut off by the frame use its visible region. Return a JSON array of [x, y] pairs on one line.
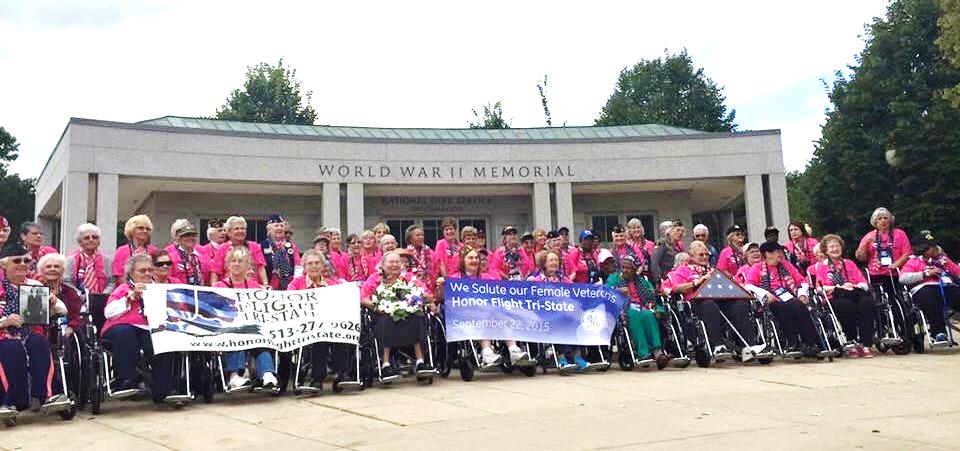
[[231, 391], [306, 389], [599, 366], [56, 407], [178, 399], [350, 385], [266, 391], [890, 341], [680, 361], [124, 394]]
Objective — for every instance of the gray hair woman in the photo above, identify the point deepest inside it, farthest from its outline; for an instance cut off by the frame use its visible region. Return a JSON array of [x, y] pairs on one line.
[[667, 249], [884, 249], [237, 237], [87, 268]]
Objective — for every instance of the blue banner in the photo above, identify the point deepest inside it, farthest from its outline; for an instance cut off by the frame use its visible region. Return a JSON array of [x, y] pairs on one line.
[[538, 312]]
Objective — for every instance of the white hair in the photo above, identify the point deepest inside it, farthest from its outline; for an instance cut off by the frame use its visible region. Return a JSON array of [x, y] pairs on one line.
[[700, 228], [879, 212], [680, 259], [234, 221], [211, 231], [59, 258], [177, 225], [333, 230], [665, 227], [133, 260], [85, 229]]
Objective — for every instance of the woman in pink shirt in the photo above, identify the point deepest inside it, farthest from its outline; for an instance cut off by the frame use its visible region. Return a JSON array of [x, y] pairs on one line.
[[752, 256], [216, 236], [620, 247], [800, 246], [509, 260], [87, 268], [731, 257], [788, 295], [884, 249], [237, 237], [190, 266], [127, 331], [636, 238], [932, 278], [849, 295], [447, 251], [335, 237], [370, 248], [137, 229], [353, 267], [32, 237], [421, 256], [569, 357]]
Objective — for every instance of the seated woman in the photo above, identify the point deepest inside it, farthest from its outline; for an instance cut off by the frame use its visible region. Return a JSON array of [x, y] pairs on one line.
[[688, 278], [128, 334], [849, 295], [932, 278], [801, 245], [549, 270], [470, 269], [787, 295], [162, 262], [390, 333], [238, 276], [314, 269], [26, 363], [641, 320], [621, 248], [51, 269]]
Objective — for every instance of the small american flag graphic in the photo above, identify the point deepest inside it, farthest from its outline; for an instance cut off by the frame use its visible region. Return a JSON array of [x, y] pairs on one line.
[[720, 286]]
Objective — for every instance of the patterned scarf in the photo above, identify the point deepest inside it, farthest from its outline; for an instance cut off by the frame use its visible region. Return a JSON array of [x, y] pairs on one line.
[[629, 251], [310, 284], [838, 272], [738, 256], [593, 268], [358, 269], [420, 261], [453, 248], [786, 280], [283, 261], [512, 258], [800, 250], [941, 263], [878, 242], [698, 269], [86, 271], [190, 265]]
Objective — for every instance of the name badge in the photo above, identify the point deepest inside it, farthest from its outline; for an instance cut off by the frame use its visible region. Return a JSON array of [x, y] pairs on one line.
[[885, 258], [268, 251], [945, 279], [783, 294]]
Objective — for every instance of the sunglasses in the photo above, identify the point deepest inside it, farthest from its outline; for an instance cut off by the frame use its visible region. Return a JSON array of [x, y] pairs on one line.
[[163, 264], [21, 260]]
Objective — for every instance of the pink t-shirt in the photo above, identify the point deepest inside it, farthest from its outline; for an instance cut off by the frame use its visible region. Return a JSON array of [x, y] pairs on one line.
[[123, 254], [917, 264], [847, 269], [447, 256], [369, 287], [755, 276], [685, 274], [483, 276], [218, 265], [132, 316], [355, 269], [540, 277], [728, 262], [583, 274], [300, 282], [898, 246], [228, 283], [498, 261], [803, 249], [179, 269]]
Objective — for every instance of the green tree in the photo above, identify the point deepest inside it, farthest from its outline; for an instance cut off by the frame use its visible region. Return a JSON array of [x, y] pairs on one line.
[[492, 117], [271, 94], [542, 88], [798, 195], [668, 91], [891, 139], [949, 42], [16, 194]]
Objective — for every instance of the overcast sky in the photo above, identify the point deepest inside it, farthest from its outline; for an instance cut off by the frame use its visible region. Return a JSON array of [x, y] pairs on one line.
[[410, 63]]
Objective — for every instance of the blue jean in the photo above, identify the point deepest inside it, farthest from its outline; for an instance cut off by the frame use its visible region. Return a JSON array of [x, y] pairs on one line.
[[235, 362]]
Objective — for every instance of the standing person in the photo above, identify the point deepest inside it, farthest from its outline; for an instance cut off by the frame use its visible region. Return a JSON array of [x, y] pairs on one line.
[[509, 261], [731, 257], [528, 251], [238, 263], [189, 265], [548, 264], [336, 242], [636, 237], [216, 236], [282, 255], [137, 229], [161, 266], [848, 292], [379, 230], [772, 234], [788, 298], [370, 248], [751, 256], [539, 240], [421, 256], [447, 251], [4, 231], [884, 249], [32, 238], [801, 245], [569, 263], [661, 262], [641, 321], [237, 237], [932, 278], [352, 266], [26, 364], [621, 248], [589, 265], [470, 236], [702, 233], [87, 267]]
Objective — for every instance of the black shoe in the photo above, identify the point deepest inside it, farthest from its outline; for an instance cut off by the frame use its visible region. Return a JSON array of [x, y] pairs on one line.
[[424, 369], [387, 373], [126, 390], [336, 385]]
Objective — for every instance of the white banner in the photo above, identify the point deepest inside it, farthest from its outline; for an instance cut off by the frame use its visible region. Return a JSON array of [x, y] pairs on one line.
[[190, 318]]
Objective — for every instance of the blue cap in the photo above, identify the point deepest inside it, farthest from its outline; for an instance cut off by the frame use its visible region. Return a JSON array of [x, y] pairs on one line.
[[587, 234], [275, 218]]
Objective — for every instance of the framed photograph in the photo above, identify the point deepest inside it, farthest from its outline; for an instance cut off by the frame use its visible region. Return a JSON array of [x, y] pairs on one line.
[[35, 304]]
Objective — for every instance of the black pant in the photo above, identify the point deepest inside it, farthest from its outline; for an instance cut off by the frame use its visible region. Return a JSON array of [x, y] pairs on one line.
[[856, 312], [126, 343], [796, 323], [885, 282], [338, 355], [738, 312], [931, 303]]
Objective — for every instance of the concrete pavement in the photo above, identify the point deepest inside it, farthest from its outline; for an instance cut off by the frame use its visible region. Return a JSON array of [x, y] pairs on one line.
[[890, 402]]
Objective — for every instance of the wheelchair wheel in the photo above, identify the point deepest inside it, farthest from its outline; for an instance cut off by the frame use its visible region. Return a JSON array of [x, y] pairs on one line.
[[625, 360], [67, 415], [701, 356], [466, 369], [95, 383], [903, 348], [529, 371], [765, 360]]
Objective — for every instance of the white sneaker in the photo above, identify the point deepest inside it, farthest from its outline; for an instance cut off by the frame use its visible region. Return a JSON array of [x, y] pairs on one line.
[[269, 381], [7, 412], [489, 357], [237, 381], [517, 356]]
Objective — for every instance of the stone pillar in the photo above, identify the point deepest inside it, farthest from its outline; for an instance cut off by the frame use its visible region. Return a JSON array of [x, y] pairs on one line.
[[564, 193], [778, 203], [756, 210], [541, 206], [330, 215], [108, 190], [73, 208], [354, 207]]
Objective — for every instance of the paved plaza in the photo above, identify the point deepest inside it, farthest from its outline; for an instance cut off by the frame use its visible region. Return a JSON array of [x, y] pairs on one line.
[[890, 402]]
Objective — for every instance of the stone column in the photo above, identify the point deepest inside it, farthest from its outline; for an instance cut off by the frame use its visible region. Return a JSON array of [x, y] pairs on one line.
[[354, 207], [564, 192], [73, 208], [330, 215], [756, 210], [778, 203], [108, 190], [541, 206]]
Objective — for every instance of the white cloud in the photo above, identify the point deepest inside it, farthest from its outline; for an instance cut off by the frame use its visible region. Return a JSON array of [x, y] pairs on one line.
[[402, 64]]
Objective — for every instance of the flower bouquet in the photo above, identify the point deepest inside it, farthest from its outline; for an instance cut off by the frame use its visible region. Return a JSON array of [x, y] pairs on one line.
[[399, 300]]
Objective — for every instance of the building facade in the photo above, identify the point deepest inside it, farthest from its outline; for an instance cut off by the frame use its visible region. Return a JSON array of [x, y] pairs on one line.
[[353, 177]]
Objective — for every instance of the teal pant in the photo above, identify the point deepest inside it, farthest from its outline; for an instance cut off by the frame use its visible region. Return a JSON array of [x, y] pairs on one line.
[[644, 330]]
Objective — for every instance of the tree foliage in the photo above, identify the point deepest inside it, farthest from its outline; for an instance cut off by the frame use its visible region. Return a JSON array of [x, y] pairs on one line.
[[798, 195], [668, 91], [270, 94], [16, 194], [949, 42], [492, 117], [891, 139], [542, 88]]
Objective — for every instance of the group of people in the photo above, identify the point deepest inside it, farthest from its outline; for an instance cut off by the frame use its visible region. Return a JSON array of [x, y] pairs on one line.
[[781, 275]]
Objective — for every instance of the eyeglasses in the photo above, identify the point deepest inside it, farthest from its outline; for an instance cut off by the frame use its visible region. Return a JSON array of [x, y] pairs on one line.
[[163, 264], [144, 228], [703, 254], [21, 260], [700, 235], [91, 237]]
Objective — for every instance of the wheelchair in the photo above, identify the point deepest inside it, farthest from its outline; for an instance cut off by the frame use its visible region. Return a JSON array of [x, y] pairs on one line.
[[894, 319], [703, 350], [833, 342], [923, 338], [301, 369], [466, 356], [671, 336], [62, 368], [402, 357]]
